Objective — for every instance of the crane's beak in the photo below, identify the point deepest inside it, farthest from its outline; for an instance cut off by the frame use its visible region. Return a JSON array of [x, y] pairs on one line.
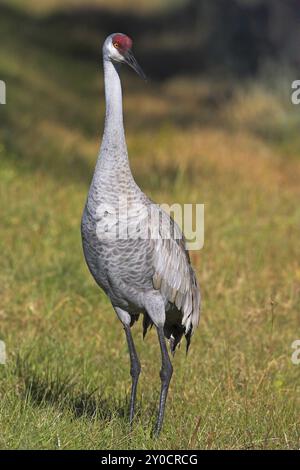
[[132, 62]]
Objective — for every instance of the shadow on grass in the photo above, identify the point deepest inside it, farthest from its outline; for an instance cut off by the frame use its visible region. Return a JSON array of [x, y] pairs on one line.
[[60, 392]]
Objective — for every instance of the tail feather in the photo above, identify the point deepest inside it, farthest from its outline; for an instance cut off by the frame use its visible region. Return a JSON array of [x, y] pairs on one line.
[[147, 322], [173, 332]]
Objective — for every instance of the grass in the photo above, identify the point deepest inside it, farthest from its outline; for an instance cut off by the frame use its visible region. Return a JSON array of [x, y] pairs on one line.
[[234, 148], [142, 6]]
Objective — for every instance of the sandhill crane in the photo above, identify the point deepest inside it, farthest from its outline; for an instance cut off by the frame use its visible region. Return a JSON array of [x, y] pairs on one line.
[[150, 275]]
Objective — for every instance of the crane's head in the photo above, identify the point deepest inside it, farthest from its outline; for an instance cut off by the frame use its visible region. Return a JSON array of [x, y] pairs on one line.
[[117, 48]]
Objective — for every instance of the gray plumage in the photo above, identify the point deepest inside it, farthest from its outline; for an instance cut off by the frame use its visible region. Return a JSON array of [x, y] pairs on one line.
[[148, 274]]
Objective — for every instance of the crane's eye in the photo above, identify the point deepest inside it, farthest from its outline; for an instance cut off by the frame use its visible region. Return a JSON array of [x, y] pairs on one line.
[[116, 45]]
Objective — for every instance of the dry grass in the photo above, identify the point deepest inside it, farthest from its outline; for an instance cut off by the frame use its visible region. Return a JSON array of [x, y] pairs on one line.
[[141, 6]]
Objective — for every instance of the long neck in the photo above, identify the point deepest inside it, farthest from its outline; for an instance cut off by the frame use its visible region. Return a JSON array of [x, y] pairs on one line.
[[113, 128], [113, 155], [112, 175]]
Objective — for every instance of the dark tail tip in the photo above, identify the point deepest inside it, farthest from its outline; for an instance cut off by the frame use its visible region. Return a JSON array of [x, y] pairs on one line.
[[172, 345], [188, 342]]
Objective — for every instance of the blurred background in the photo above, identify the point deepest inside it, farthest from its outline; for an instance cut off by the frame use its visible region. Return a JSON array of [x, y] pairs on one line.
[[219, 64], [214, 124]]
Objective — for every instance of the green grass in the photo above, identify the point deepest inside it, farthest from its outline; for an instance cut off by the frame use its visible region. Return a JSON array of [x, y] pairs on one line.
[[66, 382]]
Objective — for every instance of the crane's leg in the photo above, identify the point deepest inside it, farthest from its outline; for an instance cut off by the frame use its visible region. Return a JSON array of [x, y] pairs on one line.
[[135, 366], [135, 369], [155, 307], [165, 376]]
